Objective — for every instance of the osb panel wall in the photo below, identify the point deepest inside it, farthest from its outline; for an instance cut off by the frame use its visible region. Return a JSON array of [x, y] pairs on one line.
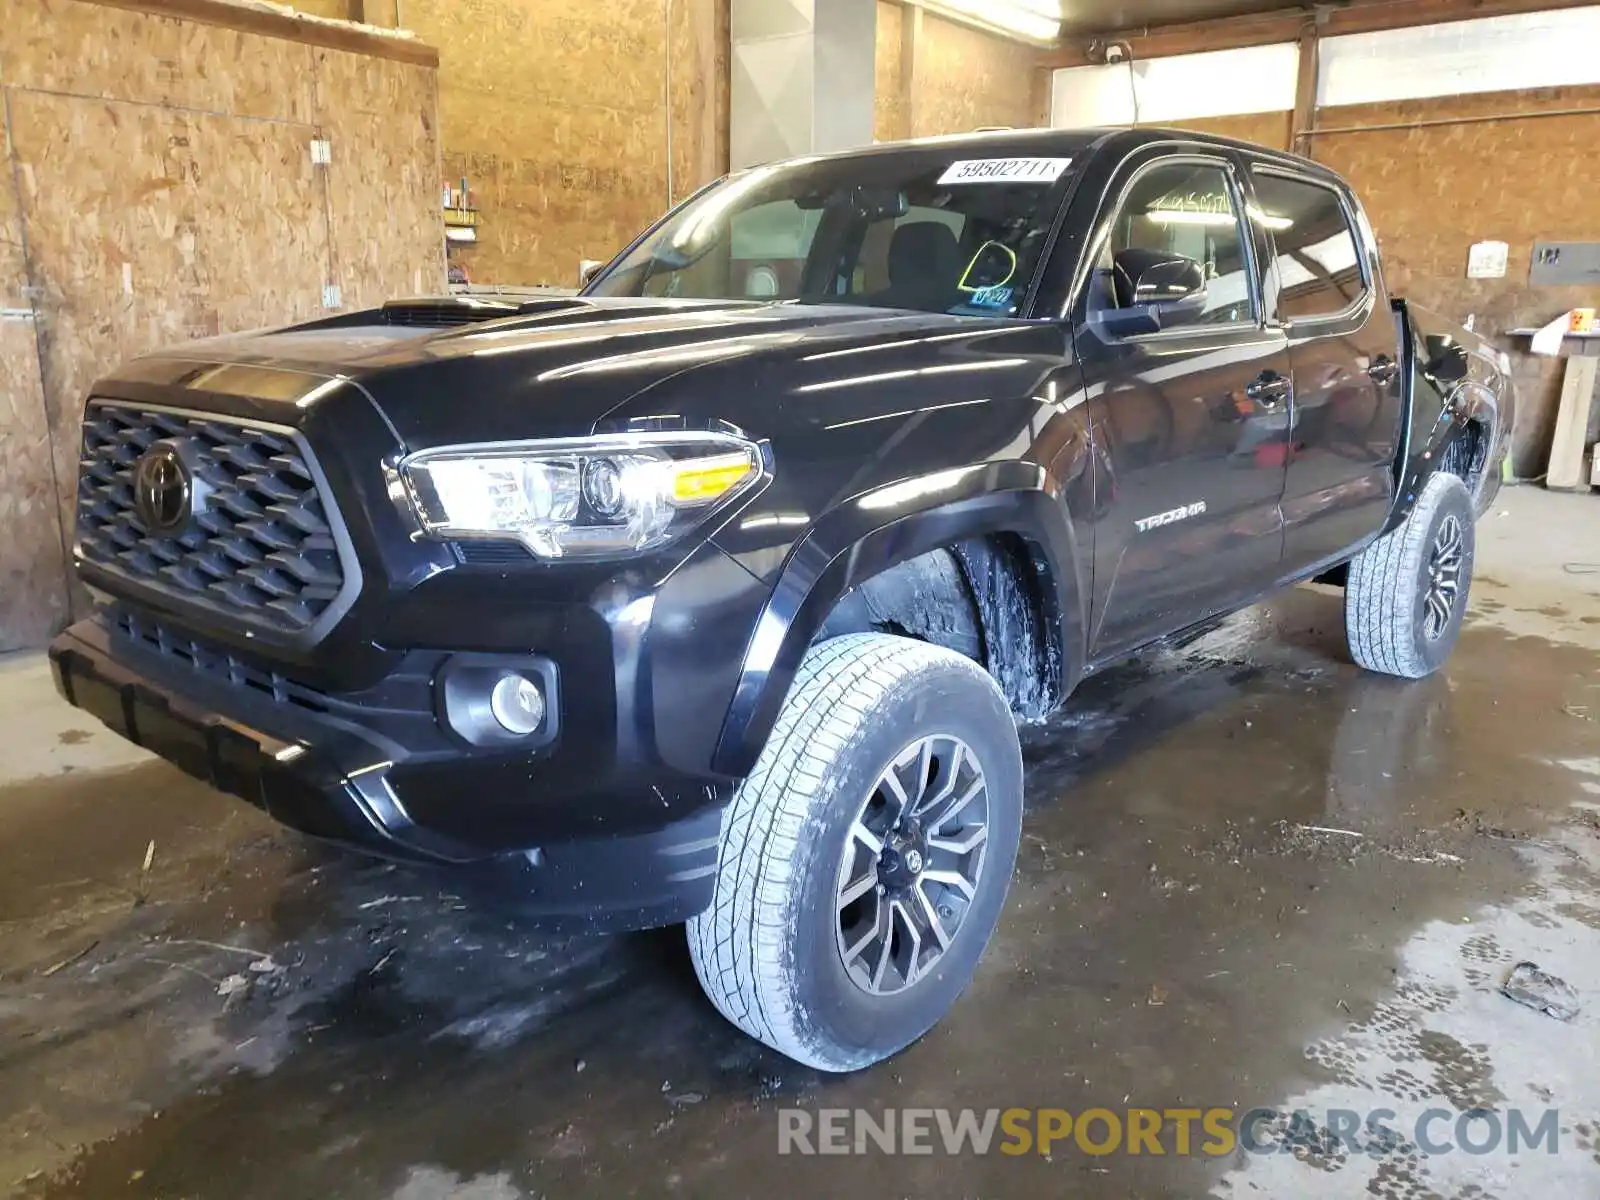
[[92, 51], [165, 188], [383, 207], [1433, 191], [889, 114], [1265, 129], [555, 113], [33, 596], [118, 279], [967, 79]]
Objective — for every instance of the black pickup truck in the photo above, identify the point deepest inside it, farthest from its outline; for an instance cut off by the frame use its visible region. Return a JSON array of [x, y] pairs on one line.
[[713, 594]]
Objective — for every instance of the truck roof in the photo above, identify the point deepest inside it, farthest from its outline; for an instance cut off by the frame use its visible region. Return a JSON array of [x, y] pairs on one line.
[[1081, 143]]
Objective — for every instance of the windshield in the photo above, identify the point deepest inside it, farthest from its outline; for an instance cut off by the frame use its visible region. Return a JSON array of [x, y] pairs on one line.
[[937, 231]]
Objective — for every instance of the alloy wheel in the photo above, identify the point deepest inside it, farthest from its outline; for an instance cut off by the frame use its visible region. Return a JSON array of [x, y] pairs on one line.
[[1444, 578], [911, 864]]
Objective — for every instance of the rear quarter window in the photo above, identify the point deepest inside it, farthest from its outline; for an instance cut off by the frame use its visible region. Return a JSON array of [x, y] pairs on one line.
[[1318, 257]]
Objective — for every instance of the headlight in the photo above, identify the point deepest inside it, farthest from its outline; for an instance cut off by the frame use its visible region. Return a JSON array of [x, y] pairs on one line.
[[594, 497]]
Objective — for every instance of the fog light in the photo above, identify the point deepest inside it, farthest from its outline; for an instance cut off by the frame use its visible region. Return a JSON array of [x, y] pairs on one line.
[[518, 704], [490, 700]]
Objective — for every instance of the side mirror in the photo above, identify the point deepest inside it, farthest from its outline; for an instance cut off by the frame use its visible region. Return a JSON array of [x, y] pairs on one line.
[[587, 269], [1447, 359], [1176, 287], [1165, 293]]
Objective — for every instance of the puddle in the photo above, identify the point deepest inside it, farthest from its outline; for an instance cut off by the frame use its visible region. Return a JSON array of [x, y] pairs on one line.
[[1251, 876]]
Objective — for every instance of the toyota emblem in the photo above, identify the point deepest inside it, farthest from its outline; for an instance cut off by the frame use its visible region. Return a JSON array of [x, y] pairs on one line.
[[163, 490]]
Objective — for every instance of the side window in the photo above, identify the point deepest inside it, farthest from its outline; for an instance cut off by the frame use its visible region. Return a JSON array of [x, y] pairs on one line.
[[1319, 260], [1177, 244]]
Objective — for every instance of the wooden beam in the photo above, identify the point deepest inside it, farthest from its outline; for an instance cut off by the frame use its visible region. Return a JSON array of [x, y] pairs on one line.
[[707, 85], [1285, 25], [1041, 97], [1565, 472], [272, 23], [1305, 92], [911, 65]]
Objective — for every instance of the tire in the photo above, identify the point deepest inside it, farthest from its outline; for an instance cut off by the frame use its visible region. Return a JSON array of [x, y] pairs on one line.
[[1392, 612], [771, 949]]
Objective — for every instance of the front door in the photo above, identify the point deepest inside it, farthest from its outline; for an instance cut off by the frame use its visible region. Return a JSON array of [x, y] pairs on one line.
[[1190, 421]]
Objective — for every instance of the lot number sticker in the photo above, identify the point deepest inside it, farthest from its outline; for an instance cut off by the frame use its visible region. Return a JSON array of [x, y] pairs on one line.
[[1005, 170]]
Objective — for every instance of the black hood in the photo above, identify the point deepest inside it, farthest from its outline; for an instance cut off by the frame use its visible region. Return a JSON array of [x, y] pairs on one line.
[[556, 371]]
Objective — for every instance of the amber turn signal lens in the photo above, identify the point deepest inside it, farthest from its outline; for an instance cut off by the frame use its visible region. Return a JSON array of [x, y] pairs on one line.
[[702, 480]]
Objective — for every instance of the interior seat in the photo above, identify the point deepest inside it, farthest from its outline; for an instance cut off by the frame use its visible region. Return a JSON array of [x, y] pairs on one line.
[[924, 268]]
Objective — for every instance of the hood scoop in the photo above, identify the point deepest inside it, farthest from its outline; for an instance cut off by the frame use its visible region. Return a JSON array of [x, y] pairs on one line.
[[445, 312]]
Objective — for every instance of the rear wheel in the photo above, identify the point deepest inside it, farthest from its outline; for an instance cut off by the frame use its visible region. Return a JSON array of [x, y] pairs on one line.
[[1407, 592], [865, 861]]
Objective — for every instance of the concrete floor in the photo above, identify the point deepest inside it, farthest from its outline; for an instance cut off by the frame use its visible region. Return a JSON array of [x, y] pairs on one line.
[[1175, 937]]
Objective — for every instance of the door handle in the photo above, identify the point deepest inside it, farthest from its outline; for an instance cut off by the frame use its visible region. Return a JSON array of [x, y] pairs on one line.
[[1383, 370], [1268, 388]]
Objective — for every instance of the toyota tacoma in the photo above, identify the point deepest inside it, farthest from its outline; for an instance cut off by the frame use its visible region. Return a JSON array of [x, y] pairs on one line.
[[714, 593]]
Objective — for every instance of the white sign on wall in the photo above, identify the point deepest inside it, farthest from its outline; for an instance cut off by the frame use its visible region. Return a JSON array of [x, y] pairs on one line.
[[1487, 260]]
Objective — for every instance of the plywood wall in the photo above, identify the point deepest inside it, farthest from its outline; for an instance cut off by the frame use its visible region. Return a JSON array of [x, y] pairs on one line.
[[383, 187], [33, 598], [967, 80], [1433, 191], [556, 113], [162, 185], [1264, 129], [962, 79]]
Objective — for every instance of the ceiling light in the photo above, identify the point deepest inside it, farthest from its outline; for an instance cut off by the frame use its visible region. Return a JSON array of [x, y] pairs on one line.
[[1036, 20], [1267, 219], [1184, 216]]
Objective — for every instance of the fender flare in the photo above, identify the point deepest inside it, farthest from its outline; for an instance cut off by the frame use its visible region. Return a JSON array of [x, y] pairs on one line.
[[875, 531], [1470, 401], [1438, 413]]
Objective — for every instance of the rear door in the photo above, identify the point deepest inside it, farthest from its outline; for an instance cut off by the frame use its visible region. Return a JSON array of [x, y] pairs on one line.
[[1189, 422], [1325, 293]]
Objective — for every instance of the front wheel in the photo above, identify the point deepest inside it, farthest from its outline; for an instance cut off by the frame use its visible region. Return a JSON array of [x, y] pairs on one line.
[[1407, 592], [865, 861]]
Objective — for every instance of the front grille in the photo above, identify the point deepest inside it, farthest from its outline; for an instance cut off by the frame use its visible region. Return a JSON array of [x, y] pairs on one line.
[[400, 705], [214, 661], [259, 548]]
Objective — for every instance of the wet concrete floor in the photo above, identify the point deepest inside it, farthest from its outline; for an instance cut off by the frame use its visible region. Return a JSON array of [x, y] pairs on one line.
[[1252, 877]]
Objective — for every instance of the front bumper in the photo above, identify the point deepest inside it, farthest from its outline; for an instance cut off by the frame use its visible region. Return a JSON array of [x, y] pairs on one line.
[[334, 779]]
